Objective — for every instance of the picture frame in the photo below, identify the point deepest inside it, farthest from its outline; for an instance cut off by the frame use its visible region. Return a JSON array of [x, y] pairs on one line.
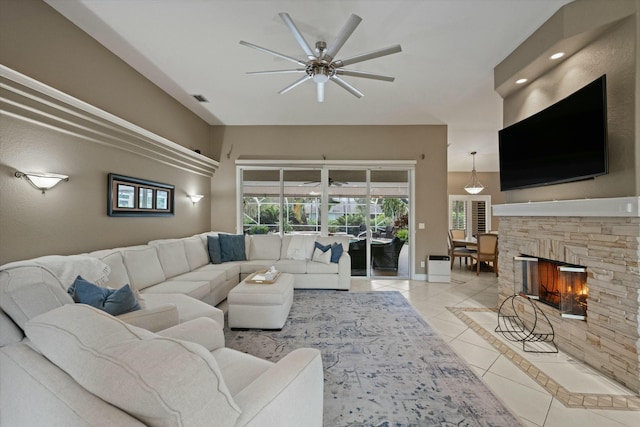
[[128, 196]]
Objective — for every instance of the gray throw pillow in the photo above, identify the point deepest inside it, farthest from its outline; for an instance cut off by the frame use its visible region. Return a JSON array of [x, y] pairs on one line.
[[112, 301], [232, 247], [213, 244]]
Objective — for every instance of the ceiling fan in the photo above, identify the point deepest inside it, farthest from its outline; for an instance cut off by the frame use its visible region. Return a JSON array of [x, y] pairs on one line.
[[320, 65]]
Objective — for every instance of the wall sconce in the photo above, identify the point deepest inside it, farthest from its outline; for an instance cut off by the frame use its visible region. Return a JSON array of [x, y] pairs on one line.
[[474, 186], [42, 180], [195, 198]]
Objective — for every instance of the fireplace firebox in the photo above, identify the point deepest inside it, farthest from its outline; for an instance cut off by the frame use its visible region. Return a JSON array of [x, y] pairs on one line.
[[560, 285]]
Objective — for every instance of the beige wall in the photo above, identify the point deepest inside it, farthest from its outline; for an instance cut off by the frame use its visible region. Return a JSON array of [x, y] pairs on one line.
[[342, 143], [72, 217], [613, 53], [37, 41]]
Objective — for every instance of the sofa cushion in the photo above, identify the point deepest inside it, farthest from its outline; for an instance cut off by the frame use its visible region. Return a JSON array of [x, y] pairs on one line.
[[196, 252], [195, 289], [232, 247], [265, 246], [10, 333], [143, 267], [216, 278], [172, 257], [113, 301], [26, 292], [161, 381], [215, 253], [298, 246], [291, 266], [231, 269], [118, 276], [321, 268]]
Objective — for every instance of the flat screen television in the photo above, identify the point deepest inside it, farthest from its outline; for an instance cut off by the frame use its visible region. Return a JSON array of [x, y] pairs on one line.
[[563, 143]]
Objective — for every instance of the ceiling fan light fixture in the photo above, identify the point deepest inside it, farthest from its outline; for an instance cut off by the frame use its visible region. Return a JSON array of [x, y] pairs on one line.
[[474, 186], [320, 74]]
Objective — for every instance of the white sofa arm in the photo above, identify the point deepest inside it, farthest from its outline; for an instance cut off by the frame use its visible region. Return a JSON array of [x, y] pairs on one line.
[[288, 394], [203, 330], [152, 319]]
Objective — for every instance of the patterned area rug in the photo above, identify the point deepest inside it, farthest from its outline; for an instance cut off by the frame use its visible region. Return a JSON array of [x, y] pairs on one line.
[[384, 365]]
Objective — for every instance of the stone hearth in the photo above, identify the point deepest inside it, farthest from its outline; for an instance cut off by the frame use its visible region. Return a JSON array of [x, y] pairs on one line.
[[602, 235]]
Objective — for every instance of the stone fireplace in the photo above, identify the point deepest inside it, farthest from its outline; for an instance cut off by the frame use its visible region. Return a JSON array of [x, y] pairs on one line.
[[603, 236]]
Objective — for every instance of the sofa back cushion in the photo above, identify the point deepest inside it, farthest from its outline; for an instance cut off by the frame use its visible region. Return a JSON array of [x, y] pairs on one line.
[[160, 381], [118, 276], [143, 267], [26, 292], [196, 252], [173, 258], [298, 246], [265, 246]]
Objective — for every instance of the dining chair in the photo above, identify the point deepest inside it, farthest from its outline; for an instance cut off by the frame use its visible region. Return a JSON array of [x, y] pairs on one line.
[[459, 252], [456, 234], [487, 251]]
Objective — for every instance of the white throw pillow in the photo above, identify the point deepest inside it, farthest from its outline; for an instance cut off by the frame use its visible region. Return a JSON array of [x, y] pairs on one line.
[[160, 381], [323, 257]]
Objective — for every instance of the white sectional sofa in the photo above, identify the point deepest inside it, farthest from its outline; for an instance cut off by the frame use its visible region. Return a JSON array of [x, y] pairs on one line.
[[178, 286], [80, 366]]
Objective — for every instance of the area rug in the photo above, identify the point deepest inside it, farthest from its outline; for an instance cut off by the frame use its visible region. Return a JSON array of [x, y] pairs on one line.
[[383, 364]]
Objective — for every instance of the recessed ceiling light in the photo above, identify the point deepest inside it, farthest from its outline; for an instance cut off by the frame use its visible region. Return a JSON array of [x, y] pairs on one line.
[[520, 81], [557, 55]]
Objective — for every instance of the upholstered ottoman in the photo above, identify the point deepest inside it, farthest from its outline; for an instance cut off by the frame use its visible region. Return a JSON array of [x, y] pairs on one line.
[[261, 306]]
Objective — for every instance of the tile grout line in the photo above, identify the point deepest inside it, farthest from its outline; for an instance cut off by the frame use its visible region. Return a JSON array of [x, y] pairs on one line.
[[567, 398]]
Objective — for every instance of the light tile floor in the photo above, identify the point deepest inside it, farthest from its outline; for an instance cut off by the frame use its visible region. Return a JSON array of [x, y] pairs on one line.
[[533, 403]]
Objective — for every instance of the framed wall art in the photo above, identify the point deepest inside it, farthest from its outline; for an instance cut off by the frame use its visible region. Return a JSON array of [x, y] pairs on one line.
[[129, 196]]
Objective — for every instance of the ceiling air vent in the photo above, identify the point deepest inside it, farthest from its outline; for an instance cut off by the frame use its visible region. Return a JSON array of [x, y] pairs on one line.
[[200, 98]]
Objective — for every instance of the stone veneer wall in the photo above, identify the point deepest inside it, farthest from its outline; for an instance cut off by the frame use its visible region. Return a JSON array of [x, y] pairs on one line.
[[609, 339]]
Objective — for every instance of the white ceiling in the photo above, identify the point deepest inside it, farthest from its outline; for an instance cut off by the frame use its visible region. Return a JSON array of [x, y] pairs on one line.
[[444, 74]]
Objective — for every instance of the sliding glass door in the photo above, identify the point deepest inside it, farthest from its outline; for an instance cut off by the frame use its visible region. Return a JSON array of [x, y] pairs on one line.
[[370, 205], [389, 201]]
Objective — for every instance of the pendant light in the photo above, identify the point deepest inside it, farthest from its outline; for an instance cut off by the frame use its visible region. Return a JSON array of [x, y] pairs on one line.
[[474, 186]]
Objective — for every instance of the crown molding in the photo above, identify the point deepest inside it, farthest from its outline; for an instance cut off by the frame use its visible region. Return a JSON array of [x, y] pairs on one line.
[[27, 99]]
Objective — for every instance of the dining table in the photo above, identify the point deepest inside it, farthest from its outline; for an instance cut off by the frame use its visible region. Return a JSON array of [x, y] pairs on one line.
[[469, 242]]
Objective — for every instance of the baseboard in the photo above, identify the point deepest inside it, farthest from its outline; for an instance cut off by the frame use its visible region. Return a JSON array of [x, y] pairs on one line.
[[422, 277]]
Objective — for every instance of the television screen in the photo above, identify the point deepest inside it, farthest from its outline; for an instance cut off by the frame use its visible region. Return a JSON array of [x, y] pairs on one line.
[[562, 143]]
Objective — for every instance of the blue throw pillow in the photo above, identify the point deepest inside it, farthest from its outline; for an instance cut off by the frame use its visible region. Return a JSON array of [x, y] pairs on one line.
[[213, 243], [232, 247], [322, 247], [113, 301], [336, 252]]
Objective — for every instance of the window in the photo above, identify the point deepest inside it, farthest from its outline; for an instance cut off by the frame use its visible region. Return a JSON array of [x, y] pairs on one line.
[[470, 213]]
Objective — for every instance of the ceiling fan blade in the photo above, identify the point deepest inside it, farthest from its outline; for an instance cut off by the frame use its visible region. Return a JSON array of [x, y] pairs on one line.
[[279, 55], [294, 84], [366, 56], [355, 92], [342, 37], [297, 35], [297, 70], [352, 73], [320, 91]]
